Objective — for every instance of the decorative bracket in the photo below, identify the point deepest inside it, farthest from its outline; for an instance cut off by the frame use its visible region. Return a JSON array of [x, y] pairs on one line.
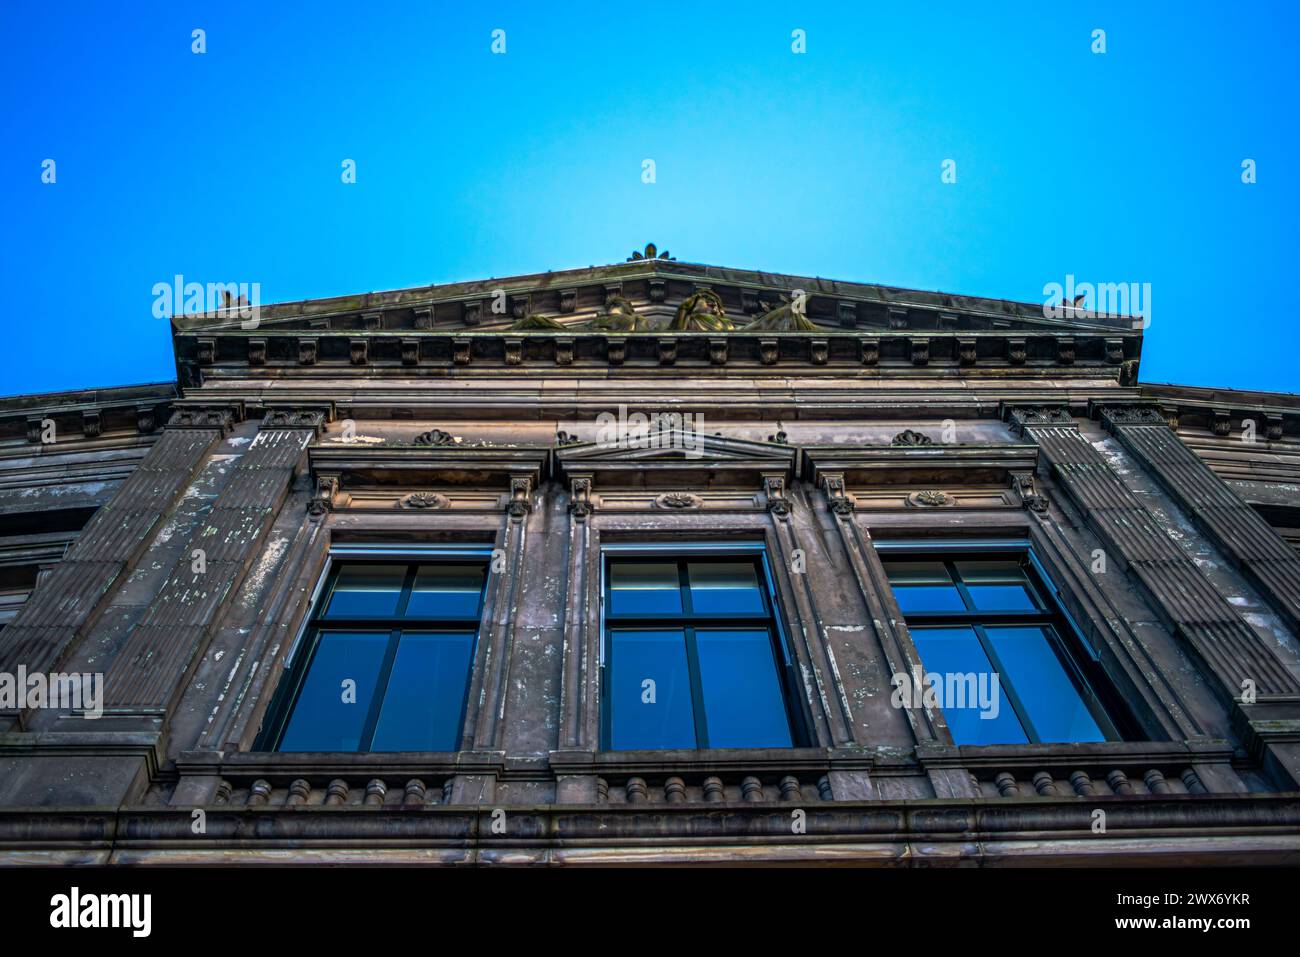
[[777, 503], [839, 500], [521, 488], [1023, 483]]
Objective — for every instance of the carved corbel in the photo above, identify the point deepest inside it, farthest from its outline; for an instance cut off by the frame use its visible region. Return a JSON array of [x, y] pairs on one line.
[[564, 351], [1017, 351], [327, 489], [423, 317], [819, 351], [372, 320], [514, 351], [91, 424], [568, 300], [1128, 373], [616, 350], [521, 488], [206, 351], [777, 503], [749, 301], [257, 352], [769, 350], [612, 290], [460, 351], [718, 352], [34, 428], [1065, 350], [580, 504], [358, 351], [410, 352], [146, 419], [658, 290], [1272, 425], [1114, 351], [307, 352], [1023, 483], [838, 499], [521, 305], [472, 312], [1220, 421], [966, 352], [847, 313], [870, 352], [667, 351], [920, 352], [897, 317]]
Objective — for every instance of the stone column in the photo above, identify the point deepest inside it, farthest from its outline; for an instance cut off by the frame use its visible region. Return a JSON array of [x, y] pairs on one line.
[[1232, 654], [159, 652], [1249, 542], [72, 595]]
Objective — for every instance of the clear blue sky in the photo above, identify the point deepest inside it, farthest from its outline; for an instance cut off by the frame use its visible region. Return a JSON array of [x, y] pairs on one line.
[[1118, 167]]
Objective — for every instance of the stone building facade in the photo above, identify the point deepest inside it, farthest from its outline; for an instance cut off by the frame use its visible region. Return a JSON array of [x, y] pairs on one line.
[[645, 563]]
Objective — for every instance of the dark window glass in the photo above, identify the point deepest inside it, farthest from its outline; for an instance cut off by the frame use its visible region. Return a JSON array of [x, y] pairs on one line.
[[650, 690], [997, 586], [693, 657], [644, 588], [923, 586], [991, 643], [396, 680], [975, 708], [332, 707], [425, 694], [1051, 699], [446, 591], [366, 591], [724, 587], [742, 690]]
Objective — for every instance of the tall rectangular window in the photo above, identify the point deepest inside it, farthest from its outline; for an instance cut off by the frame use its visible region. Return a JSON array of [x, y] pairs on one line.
[[693, 655], [998, 652], [386, 658]]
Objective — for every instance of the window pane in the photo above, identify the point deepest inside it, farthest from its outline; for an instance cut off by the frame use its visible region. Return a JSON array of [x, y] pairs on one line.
[[329, 715], [426, 694], [366, 591], [923, 587], [997, 586], [446, 591], [724, 587], [644, 588], [650, 691], [974, 706], [1049, 697], [743, 703]]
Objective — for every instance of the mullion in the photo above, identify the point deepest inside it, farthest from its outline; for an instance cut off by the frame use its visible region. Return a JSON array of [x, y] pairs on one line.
[[381, 689], [697, 689], [1018, 706], [404, 599]]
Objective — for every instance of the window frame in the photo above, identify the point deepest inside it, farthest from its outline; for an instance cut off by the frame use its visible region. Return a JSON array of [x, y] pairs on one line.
[[1078, 660], [303, 654], [768, 620]]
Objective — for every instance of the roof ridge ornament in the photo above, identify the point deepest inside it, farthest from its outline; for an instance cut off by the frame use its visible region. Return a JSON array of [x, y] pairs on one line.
[[651, 252]]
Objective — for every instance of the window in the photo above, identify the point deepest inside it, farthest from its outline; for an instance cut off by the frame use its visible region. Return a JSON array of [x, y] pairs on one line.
[[385, 661], [693, 655], [1001, 657]]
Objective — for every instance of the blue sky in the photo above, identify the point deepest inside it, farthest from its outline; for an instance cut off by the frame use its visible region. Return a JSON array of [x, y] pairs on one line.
[[225, 167]]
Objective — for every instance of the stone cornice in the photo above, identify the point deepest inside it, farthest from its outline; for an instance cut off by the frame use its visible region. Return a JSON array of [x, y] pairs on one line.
[[377, 352]]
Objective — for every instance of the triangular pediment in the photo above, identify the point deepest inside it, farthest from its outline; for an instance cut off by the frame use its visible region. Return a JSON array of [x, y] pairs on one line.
[[645, 295]]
